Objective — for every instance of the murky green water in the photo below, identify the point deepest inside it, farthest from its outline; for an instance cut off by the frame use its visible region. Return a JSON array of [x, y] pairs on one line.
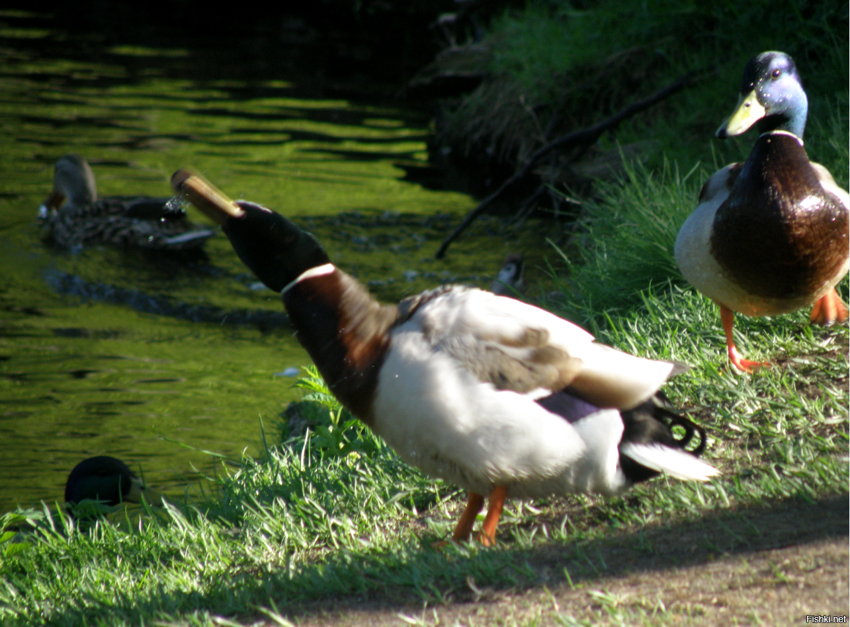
[[154, 359]]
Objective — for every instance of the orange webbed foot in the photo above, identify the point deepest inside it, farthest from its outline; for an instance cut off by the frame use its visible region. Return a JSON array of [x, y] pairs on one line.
[[746, 365], [828, 309], [727, 318]]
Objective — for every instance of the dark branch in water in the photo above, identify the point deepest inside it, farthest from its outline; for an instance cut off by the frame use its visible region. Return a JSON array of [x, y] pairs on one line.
[[582, 139]]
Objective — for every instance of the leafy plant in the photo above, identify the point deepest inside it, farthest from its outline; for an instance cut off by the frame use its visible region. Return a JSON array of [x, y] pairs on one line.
[[12, 541], [335, 431]]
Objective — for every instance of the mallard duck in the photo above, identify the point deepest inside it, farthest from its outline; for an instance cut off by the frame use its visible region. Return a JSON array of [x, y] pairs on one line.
[[487, 392], [769, 235], [105, 479], [509, 280], [121, 221]]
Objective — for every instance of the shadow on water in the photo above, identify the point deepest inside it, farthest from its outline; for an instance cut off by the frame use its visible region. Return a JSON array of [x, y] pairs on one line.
[[104, 351], [159, 305]]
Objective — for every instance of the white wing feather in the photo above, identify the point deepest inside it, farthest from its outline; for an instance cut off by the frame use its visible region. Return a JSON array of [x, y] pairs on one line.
[[607, 377], [670, 461]]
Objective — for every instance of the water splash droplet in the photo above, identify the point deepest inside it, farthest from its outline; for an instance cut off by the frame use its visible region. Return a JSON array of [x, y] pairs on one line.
[[176, 204]]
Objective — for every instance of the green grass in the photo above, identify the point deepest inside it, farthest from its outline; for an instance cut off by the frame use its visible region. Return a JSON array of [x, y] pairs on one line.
[[549, 39], [556, 67], [330, 513], [334, 514], [623, 241]]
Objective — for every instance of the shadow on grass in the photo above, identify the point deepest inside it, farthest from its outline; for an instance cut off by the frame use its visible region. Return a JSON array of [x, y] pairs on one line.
[[401, 581], [742, 531]]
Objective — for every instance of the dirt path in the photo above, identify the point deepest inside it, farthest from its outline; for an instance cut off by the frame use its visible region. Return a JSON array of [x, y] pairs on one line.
[[749, 567]]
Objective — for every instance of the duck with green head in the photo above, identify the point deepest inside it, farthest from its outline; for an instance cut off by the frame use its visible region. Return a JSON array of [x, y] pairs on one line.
[[770, 235], [486, 392], [74, 217], [107, 480]]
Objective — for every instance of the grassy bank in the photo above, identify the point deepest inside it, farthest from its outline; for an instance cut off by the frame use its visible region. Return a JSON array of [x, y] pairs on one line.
[[329, 521], [557, 67], [332, 517]]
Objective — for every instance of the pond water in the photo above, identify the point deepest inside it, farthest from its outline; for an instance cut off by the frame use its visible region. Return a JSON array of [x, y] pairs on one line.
[[157, 359]]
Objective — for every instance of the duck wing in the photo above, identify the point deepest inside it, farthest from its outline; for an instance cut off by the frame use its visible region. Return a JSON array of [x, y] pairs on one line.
[[522, 348], [830, 186], [133, 221]]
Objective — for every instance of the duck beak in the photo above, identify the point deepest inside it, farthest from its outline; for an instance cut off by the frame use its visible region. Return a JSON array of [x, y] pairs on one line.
[[747, 113], [134, 494], [138, 490], [205, 196]]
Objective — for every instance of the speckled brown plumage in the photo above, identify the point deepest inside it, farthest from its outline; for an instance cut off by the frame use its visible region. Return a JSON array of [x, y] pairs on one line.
[[74, 217]]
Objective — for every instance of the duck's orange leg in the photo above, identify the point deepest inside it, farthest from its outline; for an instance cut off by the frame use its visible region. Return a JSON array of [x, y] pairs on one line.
[[464, 526], [828, 309], [496, 502], [727, 317]]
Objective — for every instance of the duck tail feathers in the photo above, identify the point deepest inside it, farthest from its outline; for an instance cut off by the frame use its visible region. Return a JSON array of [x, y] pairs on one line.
[[671, 461]]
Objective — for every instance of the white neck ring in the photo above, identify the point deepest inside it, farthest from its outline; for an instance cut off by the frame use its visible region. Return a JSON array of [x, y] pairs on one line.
[[309, 274]]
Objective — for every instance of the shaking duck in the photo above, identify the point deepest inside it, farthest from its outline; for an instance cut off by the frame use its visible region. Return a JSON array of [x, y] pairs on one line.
[[769, 235], [497, 396], [74, 216], [105, 479]]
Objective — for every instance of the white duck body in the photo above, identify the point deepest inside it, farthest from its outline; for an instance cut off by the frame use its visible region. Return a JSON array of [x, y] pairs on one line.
[[471, 433], [495, 395], [441, 400]]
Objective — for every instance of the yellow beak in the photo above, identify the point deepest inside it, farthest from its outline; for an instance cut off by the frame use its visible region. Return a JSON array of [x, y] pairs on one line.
[[747, 113]]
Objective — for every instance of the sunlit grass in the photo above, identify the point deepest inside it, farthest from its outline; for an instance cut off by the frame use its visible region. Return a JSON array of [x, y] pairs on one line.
[[332, 512], [623, 242]]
